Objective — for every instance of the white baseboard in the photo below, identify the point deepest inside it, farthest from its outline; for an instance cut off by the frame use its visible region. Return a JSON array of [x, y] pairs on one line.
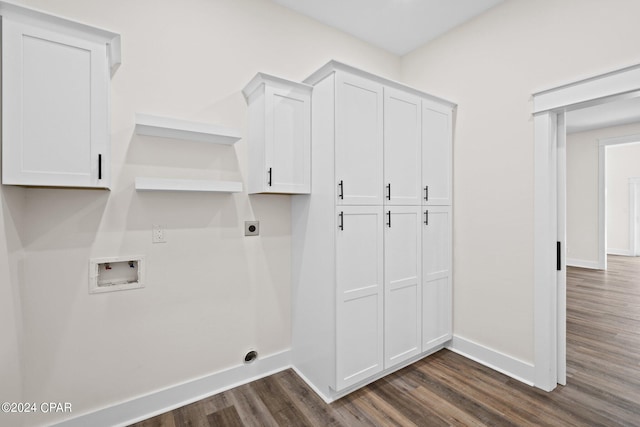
[[508, 365], [161, 401], [312, 386], [156, 403], [339, 394], [594, 265], [623, 252]]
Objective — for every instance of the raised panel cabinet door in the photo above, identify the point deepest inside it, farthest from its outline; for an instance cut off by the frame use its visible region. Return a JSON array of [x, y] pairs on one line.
[[436, 154], [55, 108], [402, 284], [358, 141], [359, 311], [287, 141], [402, 148], [437, 277]]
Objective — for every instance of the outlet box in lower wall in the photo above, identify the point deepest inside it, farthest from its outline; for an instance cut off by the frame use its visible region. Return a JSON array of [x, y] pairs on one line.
[[116, 274]]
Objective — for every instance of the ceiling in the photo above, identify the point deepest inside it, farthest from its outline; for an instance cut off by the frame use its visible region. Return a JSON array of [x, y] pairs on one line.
[[398, 26], [616, 113]]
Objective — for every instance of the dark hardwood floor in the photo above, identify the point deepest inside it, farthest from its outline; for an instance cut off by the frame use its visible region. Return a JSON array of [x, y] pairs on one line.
[[603, 387]]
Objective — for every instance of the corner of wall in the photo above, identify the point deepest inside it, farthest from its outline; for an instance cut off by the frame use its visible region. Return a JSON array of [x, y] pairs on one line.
[[11, 259]]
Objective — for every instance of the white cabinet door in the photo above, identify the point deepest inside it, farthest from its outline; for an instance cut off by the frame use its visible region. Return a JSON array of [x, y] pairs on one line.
[[436, 154], [287, 141], [402, 148], [359, 312], [55, 127], [436, 270], [402, 283], [358, 141]]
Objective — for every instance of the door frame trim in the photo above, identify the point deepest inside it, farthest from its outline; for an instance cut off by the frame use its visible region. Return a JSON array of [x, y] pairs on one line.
[[619, 84], [603, 143], [634, 227]]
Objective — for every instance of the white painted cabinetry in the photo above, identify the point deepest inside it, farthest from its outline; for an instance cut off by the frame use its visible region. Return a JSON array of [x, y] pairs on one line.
[[402, 284], [437, 165], [359, 283], [358, 140], [402, 147], [436, 153], [279, 135], [436, 276], [358, 255], [55, 100]]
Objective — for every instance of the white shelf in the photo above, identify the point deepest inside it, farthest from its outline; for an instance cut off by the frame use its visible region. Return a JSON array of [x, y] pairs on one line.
[[166, 127], [169, 184]]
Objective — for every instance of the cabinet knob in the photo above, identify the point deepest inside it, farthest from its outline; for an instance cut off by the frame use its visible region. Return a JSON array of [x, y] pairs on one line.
[[270, 174], [341, 193], [99, 166], [426, 193], [389, 191]]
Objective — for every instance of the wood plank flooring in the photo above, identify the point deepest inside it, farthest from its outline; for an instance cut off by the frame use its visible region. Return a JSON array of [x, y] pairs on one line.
[[603, 387]]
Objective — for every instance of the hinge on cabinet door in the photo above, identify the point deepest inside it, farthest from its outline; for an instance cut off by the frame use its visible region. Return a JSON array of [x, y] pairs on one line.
[[558, 257], [269, 173], [341, 224]]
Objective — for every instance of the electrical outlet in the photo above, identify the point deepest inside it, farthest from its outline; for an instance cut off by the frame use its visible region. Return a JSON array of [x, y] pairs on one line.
[[251, 228], [158, 234]]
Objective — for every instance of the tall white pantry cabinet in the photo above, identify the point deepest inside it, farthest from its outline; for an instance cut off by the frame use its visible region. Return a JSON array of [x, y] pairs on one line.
[[371, 244]]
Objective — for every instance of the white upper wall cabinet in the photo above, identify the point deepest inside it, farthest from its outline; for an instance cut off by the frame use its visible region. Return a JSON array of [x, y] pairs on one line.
[[279, 135], [55, 100]]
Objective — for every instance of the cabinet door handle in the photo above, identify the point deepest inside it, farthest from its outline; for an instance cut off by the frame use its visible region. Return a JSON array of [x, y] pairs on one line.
[[341, 224], [426, 217], [389, 191], [426, 193], [558, 257], [389, 219], [99, 166], [341, 193], [270, 173]]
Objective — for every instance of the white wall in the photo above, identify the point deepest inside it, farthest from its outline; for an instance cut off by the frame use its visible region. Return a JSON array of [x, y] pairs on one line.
[[623, 162], [211, 293], [582, 191], [491, 66], [11, 257]]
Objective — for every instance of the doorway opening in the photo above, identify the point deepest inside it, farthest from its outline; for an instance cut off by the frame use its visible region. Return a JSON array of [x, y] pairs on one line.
[[621, 175], [600, 217], [550, 108]]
